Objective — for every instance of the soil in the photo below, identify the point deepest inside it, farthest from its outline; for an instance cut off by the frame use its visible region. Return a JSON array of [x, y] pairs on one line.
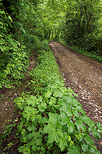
[[84, 76]]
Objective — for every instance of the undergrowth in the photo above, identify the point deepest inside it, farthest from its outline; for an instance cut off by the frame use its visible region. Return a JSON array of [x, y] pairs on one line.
[[52, 120], [95, 55]]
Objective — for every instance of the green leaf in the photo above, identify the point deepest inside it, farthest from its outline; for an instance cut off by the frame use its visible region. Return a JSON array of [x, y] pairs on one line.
[[34, 148], [33, 142], [75, 112], [96, 134], [53, 118], [61, 102], [30, 128], [88, 140], [92, 150], [84, 147], [69, 112], [30, 135], [73, 150], [56, 137], [20, 149], [69, 139], [47, 94], [38, 141], [59, 131], [99, 127], [71, 127], [85, 119], [68, 98], [51, 138], [64, 119], [46, 129], [57, 94], [44, 120], [80, 126], [61, 144], [10, 18], [71, 143], [92, 124]]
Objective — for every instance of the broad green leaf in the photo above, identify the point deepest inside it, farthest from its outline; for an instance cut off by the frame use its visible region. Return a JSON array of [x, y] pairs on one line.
[[33, 142], [69, 112], [52, 101], [38, 141], [73, 150], [75, 102], [25, 153], [88, 140], [39, 99], [20, 149], [63, 107], [56, 137], [47, 94], [85, 119], [96, 134], [75, 112], [92, 150], [49, 129], [30, 135], [69, 139], [92, 124], [34, 148], [71, 127], [46, 129], [59, 131], [61, 144], [71, 143], [57, 94], [44, 120], [53, 118], [64, 119], [65, 136], [51, 138], [80, 126], [62, 115], [43, 149], [99, 127], [61, 102], [84, 147], [68, 98]]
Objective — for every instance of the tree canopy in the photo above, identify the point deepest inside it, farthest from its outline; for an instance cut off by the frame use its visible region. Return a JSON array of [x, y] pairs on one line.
[[24, 24]]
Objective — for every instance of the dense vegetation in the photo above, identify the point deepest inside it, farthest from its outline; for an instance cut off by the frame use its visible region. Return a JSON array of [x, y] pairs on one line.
[[52, 120]]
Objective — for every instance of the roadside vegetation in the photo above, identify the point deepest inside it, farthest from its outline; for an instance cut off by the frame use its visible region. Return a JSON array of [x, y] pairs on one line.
[[50, 119]]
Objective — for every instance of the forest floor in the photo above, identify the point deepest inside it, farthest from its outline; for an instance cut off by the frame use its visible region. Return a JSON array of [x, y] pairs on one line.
[[81, 73], [84, 76]]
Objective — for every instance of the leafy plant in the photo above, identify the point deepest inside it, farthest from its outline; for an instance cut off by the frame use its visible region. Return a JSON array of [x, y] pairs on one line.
[[53, 120]]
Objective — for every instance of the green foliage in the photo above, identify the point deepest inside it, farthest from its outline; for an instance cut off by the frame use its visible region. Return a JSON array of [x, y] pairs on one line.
[[44, 44], [96, 55], [82, 28], [18, 37], [13, 55], [53, 121]]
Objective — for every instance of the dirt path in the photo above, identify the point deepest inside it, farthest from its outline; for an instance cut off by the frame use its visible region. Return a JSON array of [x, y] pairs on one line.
[[84, 76]]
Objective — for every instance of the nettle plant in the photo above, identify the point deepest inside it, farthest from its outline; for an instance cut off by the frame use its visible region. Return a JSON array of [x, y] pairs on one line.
[[54, 121]]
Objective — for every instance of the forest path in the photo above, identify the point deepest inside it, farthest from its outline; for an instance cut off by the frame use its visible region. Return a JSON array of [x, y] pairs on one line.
[[84, 76]]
